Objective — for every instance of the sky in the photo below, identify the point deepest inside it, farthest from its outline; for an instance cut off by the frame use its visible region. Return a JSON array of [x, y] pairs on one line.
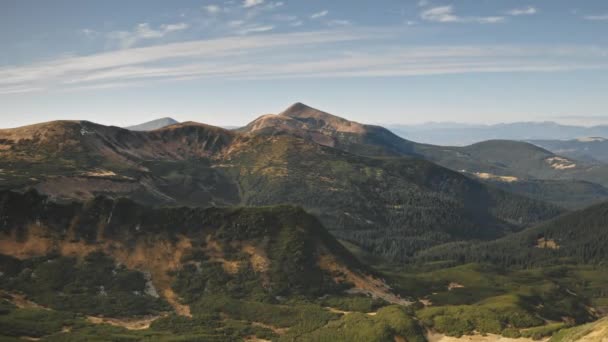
[[225, 62]]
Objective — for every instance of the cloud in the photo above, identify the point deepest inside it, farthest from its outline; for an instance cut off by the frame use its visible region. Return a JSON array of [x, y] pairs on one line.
[[320, 14], [601, 17], [89, 33], [236, 23], [212, 9], [338, 22], [316, 54], [523, 11], [445, 14], [143, 31], [291, 20], [145, 62], [274, 5], [252, 3], [256, 29], [18, 90]]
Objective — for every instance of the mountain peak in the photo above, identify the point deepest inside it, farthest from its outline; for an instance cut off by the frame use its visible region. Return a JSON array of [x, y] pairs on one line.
[[300, 110], [153, 125], [315, 119]]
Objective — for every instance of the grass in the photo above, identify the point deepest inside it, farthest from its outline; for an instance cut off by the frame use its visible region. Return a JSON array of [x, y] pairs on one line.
[[386, 325], [488, 317], [34, 322], [600, 328], [301, 316], [494, 300]]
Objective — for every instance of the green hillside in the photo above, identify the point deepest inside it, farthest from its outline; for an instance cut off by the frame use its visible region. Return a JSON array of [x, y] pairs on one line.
[[206, 274], [577, 237]]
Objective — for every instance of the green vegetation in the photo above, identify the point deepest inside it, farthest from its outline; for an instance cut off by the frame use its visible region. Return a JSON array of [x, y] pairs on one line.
[[491, 317], [491, 299], [598, 328], [388, 323], [570, 194], [97, 286], [391, 207], [575, 238], [363, 304], [34, 322], [300, 317]]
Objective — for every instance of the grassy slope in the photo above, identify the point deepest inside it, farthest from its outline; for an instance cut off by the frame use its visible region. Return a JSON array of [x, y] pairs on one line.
[[592, 332]]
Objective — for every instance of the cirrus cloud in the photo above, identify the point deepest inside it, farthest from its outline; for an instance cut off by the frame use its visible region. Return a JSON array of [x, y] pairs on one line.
[[530, 10], [315, 54], [445, 14]]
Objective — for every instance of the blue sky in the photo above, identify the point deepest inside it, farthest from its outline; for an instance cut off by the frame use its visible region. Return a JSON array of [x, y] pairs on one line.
[[225, 62]]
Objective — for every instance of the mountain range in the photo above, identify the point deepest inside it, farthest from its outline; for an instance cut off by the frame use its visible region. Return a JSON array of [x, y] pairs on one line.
[[391, 206], [301, 225], [456, 134]]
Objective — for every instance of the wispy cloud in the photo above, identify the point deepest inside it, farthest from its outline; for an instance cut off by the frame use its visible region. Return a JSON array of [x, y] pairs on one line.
[[274, 5], [252, 3], [320, 14], [291, 20], [530, 10], [338, 22], [445, 14], [212, 9], [147, 61], [303, 55], [600, 17], [256, 29], [143, 31], [18, 89]]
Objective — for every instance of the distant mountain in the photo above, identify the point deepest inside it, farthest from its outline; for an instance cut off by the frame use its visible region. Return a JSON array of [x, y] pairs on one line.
[[591, 149], [154, 124], [527, 169], [504, 158], [464, 134], [392, 206]]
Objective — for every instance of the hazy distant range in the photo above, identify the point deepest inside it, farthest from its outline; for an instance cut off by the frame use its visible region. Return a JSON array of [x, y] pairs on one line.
[[458, 134]]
